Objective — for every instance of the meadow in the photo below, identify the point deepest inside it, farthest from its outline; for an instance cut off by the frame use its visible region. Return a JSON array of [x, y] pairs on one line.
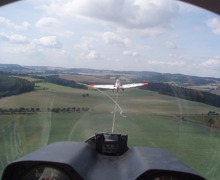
[[148, 118]]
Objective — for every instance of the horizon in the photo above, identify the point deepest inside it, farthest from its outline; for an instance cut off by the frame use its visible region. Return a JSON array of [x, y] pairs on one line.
[[164, 36], [69, 68]]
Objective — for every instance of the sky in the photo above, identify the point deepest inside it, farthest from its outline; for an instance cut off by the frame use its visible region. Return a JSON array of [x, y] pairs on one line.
[[164, 36]]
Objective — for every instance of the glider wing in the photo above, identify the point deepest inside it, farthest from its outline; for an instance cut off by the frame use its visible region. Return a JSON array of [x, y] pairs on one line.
[[124, 86], [101, 86]]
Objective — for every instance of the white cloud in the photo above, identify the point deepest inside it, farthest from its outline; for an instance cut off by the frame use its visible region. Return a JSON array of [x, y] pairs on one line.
[[168, 63], [25, 25], [85, 49], [47, 22], [214, 24], [176, 56], [131, 53], [16, 38], [53, 26], [113, 38], [2, 38], [48, 41], [86, 43], [211, 63], [171, 45], [137, 14], [114, 32], [93, 55], [6, 22]]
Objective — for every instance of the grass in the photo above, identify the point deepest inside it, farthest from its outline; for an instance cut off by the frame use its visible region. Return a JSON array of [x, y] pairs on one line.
[[28, 78], [151, 120]]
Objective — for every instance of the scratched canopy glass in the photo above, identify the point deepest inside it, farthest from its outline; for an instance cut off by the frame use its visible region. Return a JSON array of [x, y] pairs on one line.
[[53, 43]]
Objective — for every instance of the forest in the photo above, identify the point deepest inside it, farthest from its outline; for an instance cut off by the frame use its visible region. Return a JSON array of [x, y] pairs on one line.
[[185, 93], [63, 82], [12, 85]]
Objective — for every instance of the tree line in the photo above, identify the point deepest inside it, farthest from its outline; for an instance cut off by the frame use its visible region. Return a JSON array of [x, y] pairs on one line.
[[21, 110], [25, 110], [185, 93], [10, 85], [69, 109], [59, 81], [13, 85]]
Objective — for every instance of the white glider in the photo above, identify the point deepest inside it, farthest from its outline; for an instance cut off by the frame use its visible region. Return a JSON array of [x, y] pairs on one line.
[[118, 85]]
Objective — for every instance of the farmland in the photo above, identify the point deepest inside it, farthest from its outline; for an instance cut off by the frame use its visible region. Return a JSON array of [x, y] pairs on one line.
[[148, 118]]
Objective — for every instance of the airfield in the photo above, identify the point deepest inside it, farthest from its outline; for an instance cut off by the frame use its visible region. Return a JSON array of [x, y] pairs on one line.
[[149, 119]]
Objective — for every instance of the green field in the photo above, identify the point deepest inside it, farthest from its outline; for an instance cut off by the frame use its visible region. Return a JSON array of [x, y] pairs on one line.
[[148, 118]]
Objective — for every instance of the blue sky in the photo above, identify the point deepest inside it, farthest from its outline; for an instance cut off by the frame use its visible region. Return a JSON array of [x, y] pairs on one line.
[[148, 35]]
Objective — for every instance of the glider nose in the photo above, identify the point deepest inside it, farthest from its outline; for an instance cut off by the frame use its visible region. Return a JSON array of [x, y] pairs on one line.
[[145, 83]]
